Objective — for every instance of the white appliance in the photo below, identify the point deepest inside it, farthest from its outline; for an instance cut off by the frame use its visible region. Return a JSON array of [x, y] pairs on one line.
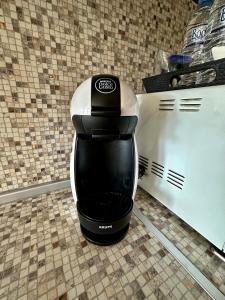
[[181, 144]]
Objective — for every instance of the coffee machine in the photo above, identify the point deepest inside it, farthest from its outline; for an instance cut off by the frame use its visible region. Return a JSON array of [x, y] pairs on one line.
[[104, 160]]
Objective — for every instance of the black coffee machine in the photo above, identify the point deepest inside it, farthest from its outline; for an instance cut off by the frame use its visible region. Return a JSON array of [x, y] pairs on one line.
[[104, 162]]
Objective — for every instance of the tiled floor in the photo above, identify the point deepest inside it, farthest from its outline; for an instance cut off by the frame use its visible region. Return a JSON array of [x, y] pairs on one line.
[[44, 256], [196, 248]]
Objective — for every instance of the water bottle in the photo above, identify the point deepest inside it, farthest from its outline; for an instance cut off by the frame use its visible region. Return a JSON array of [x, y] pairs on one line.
[[214, 45], [194, 38]]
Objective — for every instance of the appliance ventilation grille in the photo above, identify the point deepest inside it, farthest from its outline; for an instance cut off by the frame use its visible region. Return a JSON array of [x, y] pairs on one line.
[[175, 179], [143, 166], [166, 104], [190, 104], [143, 161], [157, 169]]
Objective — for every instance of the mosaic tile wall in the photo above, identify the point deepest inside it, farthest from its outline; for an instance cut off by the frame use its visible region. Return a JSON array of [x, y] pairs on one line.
[[47, 47]]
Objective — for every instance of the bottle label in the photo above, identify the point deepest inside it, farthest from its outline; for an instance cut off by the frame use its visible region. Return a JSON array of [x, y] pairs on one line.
[[222, 14], [218, 19], [197, 35]]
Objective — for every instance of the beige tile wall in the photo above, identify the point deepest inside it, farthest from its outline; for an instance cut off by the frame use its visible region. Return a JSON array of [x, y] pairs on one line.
[[47, 48]]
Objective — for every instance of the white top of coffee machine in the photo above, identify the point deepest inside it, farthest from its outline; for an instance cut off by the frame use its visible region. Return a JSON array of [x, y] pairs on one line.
[[81, 100]]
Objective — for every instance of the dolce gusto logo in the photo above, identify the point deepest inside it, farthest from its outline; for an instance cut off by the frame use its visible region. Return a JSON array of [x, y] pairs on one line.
[[105, 85]]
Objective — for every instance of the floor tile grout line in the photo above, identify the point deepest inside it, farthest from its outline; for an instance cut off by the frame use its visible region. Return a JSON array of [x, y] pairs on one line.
[[207, 285], [33, 191]]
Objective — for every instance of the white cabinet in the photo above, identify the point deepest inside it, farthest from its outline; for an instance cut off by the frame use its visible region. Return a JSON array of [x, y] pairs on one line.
[[181, 143]]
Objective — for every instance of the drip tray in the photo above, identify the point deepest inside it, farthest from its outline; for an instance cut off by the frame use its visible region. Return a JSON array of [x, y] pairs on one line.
[[105, 206], [104, 240]]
